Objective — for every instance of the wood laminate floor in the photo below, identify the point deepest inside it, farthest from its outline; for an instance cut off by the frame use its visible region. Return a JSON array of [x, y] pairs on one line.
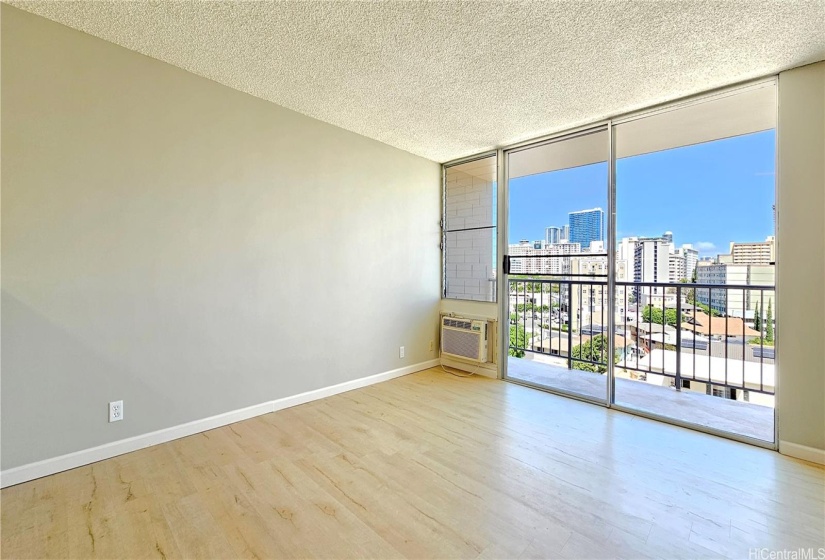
[[426, 466]]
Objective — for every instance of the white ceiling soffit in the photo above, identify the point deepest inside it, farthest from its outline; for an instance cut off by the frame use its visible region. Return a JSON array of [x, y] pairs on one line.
[[579, 150], [484, 168], [751, 110], [449, 79], [745, 111]]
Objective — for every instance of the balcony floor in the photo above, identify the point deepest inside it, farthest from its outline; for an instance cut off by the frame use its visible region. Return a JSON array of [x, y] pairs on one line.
[[737, 417]]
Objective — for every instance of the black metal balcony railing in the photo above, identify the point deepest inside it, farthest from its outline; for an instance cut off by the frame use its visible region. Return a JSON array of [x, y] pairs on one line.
[[687, 332]]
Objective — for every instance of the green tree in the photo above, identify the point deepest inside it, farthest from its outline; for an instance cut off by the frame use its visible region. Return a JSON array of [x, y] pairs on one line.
[[706, 309], [769, 323], [652, 314], [524, 307], [518, 341], [594, 350], [759, 341], [757, 318]]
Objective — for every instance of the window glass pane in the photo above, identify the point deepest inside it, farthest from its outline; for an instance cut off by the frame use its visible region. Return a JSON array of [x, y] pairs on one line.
[[695, 249], [558, 301], [470, 230], [469, 272]]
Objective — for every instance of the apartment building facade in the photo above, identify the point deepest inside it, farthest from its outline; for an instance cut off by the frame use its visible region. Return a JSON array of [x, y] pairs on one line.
[[735, 302], [758, 253]]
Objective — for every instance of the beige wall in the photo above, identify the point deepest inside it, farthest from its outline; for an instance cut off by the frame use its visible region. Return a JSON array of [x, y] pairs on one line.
[[801, 257], [188, 248]]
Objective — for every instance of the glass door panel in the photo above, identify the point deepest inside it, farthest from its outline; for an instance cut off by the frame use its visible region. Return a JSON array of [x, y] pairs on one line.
[[694, 271], [557, 282]]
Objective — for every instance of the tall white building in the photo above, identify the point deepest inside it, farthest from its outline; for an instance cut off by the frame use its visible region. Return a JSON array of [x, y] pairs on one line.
[[691, 259], [682, 262], [625, 250], [676, 267], [651, 262]]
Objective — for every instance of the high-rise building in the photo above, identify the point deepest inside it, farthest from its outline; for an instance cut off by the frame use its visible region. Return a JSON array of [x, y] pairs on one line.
[[586, 226], [542, 258], [625, 251], [676, 266], [651, 262], [760, 252], [565, 234], [682, 262], [561, 264], [552, 235], [668, 236], [691, 259]]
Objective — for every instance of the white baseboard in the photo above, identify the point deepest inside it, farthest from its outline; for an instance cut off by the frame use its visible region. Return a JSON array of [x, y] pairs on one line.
[[24, 473], [803, 452], [485, 370]]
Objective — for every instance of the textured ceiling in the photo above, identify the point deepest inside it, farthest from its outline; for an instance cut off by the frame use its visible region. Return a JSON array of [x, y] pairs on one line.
[[449, 79]]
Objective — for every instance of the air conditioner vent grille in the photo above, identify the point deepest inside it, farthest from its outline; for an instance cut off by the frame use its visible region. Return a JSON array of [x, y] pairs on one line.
[[460, 343], [464, 338], [457, 323]]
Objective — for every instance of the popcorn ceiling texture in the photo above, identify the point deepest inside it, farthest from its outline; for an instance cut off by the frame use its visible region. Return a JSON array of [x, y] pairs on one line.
[[449, 79]]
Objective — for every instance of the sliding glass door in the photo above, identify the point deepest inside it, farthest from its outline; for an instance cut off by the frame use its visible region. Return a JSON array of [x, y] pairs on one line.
[[695, 248], [639, 265], [558, 306]]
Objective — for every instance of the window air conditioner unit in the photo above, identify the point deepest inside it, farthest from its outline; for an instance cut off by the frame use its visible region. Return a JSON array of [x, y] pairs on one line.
[[464, 338]]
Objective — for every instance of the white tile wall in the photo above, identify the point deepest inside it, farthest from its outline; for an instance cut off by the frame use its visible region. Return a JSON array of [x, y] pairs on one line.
[[469, 267]]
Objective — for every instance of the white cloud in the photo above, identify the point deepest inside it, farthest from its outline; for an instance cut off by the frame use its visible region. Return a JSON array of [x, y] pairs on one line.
[[704, 246]]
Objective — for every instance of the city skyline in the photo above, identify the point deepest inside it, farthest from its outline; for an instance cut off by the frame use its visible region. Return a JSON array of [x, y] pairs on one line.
[[718, 192]]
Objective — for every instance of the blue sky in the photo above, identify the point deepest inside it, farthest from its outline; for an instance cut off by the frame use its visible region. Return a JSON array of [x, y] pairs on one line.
[[708, 194]]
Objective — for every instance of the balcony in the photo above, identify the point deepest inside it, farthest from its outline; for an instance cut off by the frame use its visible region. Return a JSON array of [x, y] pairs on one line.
[[674, 356]]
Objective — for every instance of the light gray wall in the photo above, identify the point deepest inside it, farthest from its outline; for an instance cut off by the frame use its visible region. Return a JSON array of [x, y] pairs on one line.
[[800, 256], [188, 248]]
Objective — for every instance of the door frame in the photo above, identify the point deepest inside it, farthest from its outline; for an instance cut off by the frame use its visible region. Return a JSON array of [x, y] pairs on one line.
[[503, 295], [504, 223]]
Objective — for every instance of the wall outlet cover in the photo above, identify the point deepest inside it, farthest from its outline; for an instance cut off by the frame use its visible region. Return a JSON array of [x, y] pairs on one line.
[[115, 411]]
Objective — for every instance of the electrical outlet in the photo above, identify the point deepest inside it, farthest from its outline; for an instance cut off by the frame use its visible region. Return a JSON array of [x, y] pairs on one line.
[[115, 411], [432, 345], [401, 352]]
